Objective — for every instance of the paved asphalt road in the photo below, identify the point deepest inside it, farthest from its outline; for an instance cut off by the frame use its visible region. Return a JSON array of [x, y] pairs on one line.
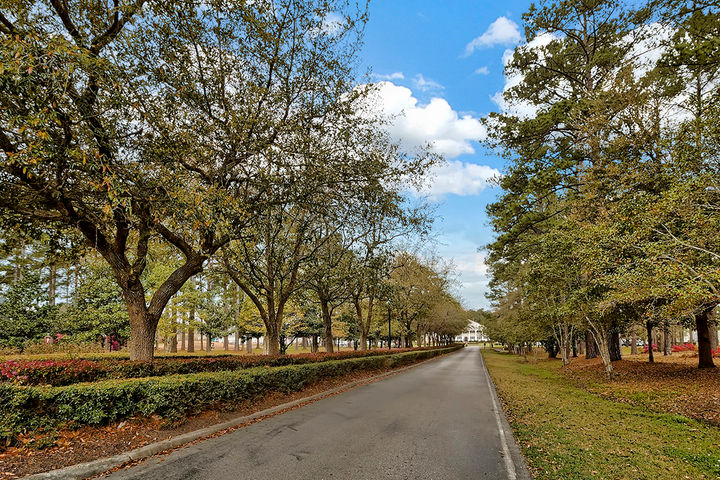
[[435, 421]]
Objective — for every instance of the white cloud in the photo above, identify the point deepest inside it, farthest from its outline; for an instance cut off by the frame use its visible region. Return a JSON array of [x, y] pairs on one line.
[[502, 31], [391, 76], [482, 71], [414, 125], [459, 178], [469, 265], [426, 85], [332, 23]]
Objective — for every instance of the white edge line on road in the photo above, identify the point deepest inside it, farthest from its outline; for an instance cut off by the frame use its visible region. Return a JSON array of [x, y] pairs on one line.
[[509, 465]]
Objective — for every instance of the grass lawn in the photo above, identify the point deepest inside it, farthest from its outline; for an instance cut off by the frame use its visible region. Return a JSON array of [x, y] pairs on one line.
[[568, 433]]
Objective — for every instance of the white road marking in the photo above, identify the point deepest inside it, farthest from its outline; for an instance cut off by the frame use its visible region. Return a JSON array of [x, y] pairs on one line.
[[509, 465]]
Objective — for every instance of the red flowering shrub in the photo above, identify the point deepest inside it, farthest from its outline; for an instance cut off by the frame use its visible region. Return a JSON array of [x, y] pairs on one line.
[[50, 372], [68, 372], [686, 347], [655, 348]]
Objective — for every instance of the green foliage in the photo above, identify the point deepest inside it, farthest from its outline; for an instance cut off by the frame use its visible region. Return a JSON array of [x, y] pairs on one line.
[[97, 310], [27, 408], [609, 206], [24, 312]]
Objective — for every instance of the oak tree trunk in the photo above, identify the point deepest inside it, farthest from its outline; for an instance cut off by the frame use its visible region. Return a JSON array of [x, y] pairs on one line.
[[272, 339], [667, 341], [713, 332], [702, 322], [174, 340], [591, 350], [614, 345], [142, 327], [327, 324]]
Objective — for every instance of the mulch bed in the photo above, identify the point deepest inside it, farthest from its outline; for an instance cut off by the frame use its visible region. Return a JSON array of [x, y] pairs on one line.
[[672, 384], [70, 447]]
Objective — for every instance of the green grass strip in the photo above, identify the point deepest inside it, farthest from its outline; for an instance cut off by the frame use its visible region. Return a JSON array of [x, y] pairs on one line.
[[568, 433]]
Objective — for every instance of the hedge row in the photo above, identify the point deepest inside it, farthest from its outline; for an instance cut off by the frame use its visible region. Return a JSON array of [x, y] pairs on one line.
[[25, 409], [67, 372]]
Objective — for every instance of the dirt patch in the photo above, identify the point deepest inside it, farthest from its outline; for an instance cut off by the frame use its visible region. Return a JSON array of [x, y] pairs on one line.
[[41, 453], [672, 384]]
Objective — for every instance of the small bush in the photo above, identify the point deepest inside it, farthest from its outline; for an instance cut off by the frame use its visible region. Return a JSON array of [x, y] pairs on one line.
[[29, 408], [686, 347]]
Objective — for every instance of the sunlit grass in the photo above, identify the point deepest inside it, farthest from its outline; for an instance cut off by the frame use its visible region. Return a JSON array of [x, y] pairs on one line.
[[568, 433]]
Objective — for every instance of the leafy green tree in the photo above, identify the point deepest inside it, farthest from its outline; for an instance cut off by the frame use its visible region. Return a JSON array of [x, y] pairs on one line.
[[134, 121], [25, 314], [98, 311]]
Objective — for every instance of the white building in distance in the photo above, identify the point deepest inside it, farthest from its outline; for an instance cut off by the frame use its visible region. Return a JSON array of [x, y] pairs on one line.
[[473, 333]]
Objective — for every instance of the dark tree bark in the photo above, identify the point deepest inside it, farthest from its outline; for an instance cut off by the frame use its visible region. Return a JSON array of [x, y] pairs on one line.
[[174, 340], [574, 347], [713, 331], [651, 357], [614, 345], [315, 344], [591, 350], [51, 284], [327, 324], [552, 348], [633, 340], [702, 322], [667, 341], [191, 340]]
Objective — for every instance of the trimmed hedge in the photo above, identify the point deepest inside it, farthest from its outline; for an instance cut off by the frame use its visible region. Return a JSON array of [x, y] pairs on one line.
[[29, 408], [67, 372]]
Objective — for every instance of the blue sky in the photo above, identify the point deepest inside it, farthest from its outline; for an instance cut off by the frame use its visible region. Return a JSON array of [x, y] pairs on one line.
[[441, 62]]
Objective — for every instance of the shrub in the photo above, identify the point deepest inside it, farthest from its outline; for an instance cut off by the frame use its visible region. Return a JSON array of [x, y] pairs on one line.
[[686, 347], [67, 372], [654, 347], [29, 408]]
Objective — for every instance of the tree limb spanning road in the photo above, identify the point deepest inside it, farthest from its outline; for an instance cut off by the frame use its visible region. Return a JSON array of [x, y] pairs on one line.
[[436, 421]]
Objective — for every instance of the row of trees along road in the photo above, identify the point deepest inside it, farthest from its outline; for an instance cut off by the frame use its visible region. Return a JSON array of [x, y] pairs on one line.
[[166, 135], [609, 213], [77, 297]]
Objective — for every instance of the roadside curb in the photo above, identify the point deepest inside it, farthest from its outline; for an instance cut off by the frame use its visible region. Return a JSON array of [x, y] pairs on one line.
[[96, 467]]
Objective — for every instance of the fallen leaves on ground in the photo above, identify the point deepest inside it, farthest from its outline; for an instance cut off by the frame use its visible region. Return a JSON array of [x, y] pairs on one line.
[[671, 384]]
